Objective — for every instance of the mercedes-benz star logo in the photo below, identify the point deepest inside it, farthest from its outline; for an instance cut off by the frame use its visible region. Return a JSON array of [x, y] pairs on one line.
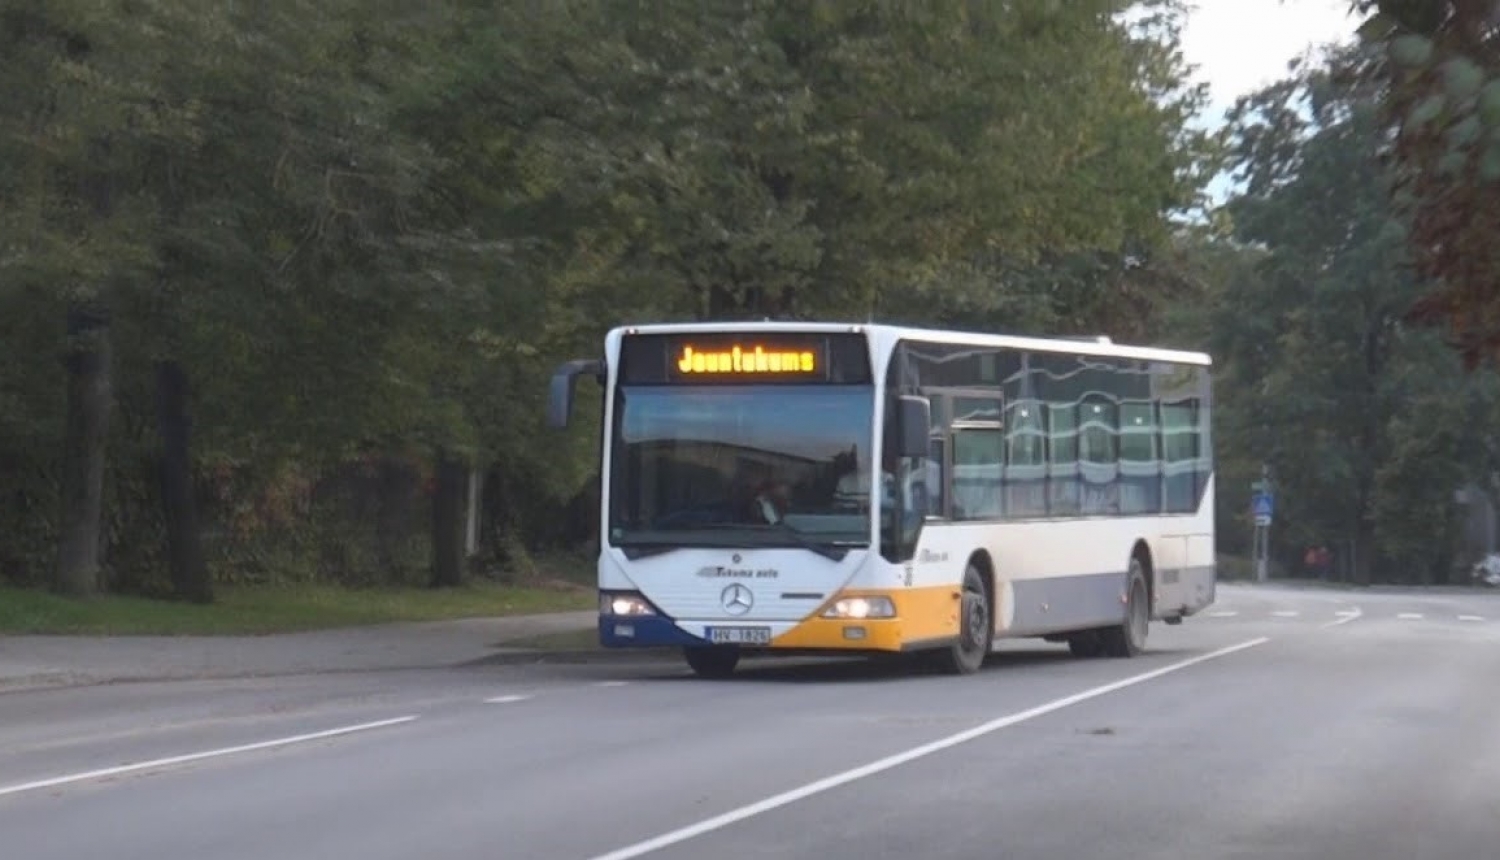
[[736, 599]]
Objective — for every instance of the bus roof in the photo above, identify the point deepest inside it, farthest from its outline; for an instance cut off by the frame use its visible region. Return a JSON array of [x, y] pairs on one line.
[[887, 335]]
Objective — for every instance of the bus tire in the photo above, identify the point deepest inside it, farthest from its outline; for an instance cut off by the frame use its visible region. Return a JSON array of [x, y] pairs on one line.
[[1128, 638], [712, 662], [976, 628]]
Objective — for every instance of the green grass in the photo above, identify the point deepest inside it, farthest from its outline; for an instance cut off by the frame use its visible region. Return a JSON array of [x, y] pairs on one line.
[[275, 609]]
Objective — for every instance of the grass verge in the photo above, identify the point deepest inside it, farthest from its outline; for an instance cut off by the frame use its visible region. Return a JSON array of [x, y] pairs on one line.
[[570, 640], [574, 646], [275, 609]]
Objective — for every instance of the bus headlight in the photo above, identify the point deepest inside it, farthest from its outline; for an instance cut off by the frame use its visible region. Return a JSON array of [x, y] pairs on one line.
[[861, 607], [624, 605]]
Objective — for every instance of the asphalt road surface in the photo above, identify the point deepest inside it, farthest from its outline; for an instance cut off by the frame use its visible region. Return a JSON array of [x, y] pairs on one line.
[[1283, 724]]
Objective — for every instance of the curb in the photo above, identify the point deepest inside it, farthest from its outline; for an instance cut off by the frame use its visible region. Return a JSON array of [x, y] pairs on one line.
[[573, 656], [45, 681], [503, 657]]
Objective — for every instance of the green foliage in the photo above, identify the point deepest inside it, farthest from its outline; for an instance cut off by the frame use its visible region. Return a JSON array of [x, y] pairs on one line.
[[1367, 423], [368, 239], [1443, 96]]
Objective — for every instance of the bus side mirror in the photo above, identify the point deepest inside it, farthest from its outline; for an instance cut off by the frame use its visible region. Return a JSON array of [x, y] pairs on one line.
[[564, 383], [913, 425]]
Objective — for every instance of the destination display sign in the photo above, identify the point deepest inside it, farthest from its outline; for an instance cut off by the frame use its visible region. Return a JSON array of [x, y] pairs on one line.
[[751, 357], [696, 361]]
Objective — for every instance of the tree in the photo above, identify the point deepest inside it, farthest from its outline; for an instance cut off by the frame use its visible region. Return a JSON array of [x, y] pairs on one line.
[[76, 230], [1349, 403], [1443, 101], [341, 253]]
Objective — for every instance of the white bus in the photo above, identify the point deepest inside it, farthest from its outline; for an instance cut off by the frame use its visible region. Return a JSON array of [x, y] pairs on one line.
[[864, 489]]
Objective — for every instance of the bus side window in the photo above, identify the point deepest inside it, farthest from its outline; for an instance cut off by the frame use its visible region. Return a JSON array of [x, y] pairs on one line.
[[1025, 460], [1098, 454]]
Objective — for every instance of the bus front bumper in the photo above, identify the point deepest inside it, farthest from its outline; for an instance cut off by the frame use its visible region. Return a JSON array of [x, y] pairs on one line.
[[814, 634], [921, 620]]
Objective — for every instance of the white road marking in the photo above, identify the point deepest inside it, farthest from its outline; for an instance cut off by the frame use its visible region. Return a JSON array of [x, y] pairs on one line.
[[1471, 618], [1345, 616], [1409, 616], [1286, 613], [709, 825], [506, 700], [183, 759], [611, 683], [1222, 613]]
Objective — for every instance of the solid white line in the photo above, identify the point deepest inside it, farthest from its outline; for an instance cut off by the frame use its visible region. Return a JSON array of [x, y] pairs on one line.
[[181, 759], [1471, 618], [1409, 616], [506, 700], [1223, 613], [1286, 613], [1345, 616], [611, 683], [720, 821]]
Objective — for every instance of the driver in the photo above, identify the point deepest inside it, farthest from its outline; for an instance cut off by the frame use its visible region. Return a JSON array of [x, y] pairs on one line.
[[760, 497]]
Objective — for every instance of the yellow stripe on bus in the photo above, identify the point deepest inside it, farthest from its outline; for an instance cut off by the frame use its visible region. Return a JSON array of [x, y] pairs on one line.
[[922, 614]]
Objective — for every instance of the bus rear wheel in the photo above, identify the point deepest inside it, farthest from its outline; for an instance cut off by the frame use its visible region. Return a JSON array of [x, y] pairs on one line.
[[976, 628], [1129, 638], [712, 662]]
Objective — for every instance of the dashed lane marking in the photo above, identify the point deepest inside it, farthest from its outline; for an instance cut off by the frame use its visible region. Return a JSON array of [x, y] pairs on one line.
[[1345, 616]]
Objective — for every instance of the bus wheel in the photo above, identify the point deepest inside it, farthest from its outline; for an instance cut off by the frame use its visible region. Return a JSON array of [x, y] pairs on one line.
[[712, 662], [1129, 637], [976, 629]]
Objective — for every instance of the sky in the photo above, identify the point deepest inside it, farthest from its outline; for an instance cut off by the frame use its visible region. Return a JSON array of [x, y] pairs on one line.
[[1239, 46]]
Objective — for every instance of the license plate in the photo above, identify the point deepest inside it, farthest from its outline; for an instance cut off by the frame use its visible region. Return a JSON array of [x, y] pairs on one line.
[[739, 635]]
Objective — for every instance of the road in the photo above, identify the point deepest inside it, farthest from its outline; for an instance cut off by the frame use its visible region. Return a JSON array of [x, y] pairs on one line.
[[1285, 724]]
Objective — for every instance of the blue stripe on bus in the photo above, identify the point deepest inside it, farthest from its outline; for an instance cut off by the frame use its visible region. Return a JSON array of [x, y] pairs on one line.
[[646, 632]]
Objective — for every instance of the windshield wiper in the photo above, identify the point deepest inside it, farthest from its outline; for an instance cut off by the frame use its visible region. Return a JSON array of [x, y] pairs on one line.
[[634, 551], [829, 550]]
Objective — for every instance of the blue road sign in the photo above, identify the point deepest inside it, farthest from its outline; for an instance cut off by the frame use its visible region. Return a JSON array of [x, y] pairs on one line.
[[1263, 505]]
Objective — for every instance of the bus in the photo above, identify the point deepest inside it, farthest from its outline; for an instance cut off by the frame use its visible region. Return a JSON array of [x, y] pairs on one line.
[[872, 489]]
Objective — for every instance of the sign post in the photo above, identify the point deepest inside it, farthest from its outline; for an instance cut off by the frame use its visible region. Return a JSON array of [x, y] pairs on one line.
[[1263, 509]]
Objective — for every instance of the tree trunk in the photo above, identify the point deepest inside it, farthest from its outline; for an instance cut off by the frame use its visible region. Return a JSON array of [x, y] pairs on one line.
[[448, 521], [88, 380], [190, 579]]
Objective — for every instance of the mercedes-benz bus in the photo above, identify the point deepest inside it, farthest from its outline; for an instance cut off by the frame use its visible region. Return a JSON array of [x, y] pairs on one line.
[[820, 488]]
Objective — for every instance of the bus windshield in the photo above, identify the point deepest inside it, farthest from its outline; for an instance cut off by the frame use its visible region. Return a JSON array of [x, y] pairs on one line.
[[741, 465]]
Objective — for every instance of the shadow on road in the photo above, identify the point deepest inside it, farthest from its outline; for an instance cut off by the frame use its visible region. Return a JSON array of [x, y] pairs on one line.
[[817, 670], [667, 665]]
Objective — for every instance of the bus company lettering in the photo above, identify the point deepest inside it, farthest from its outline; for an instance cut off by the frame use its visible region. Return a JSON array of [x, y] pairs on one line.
[[722, 572], [927, 556], [738, 359]]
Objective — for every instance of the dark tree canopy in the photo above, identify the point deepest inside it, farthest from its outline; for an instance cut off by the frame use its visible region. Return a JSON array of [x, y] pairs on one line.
[[1442, 61]]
